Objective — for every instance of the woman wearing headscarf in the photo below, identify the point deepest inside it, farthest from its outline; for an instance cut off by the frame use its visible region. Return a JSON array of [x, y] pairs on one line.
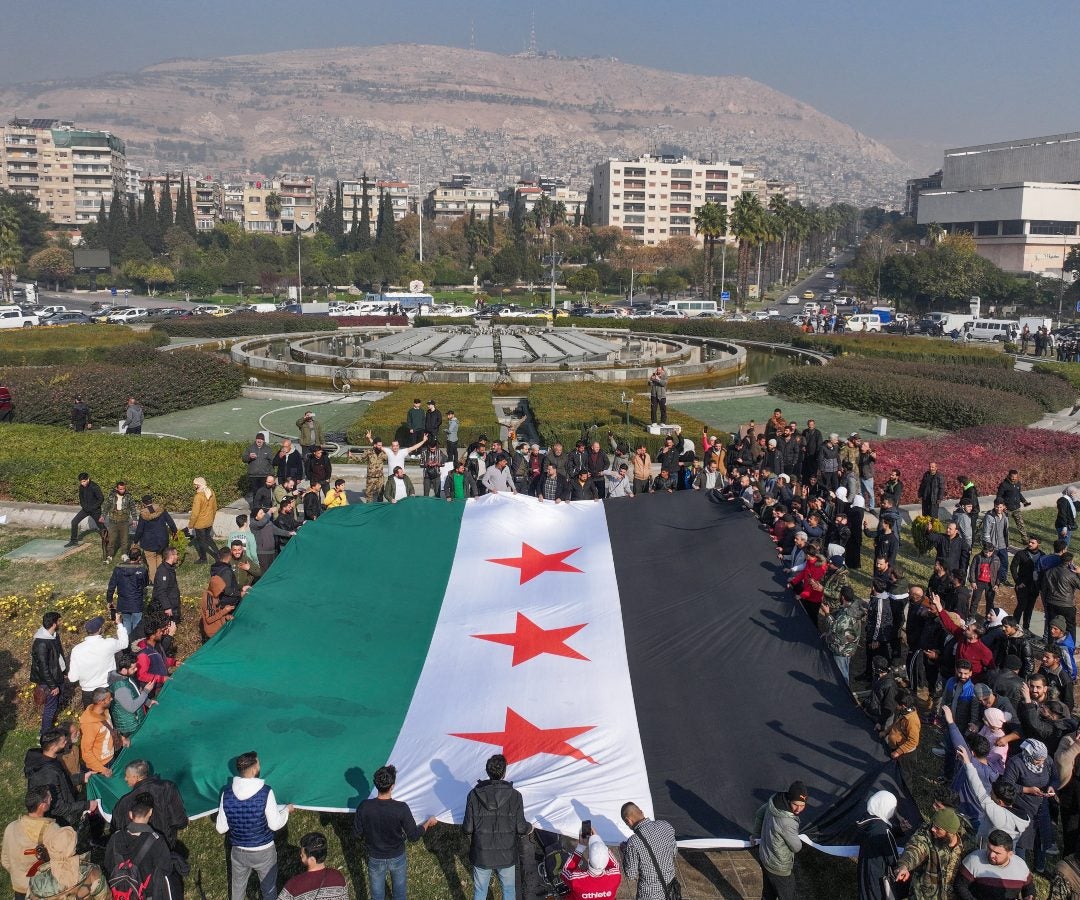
[[201, 522], [1034, 774], [853, 551], [66, 876], [877, 846]]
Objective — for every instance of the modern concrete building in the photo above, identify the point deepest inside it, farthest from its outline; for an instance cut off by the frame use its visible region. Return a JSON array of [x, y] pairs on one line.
[[916, 186], [67, 170], [1019, 199], [655, 197]]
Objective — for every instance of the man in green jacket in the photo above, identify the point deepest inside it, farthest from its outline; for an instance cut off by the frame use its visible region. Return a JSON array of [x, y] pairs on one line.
[[311, 433], [776, 837], [118, 520], [931, 858], [130, 701]]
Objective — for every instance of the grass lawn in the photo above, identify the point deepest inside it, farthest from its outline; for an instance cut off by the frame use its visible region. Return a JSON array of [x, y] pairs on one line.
[[438, 865], [238, 420], [725, 415]]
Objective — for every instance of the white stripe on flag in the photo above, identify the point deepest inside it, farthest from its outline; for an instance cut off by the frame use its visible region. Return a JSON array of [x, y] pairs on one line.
[[470, 685]]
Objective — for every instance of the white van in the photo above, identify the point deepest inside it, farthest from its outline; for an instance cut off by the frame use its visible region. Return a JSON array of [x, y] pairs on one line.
[[950, 322], [689, 307], [14, 317], [863, 322], [992, 329]]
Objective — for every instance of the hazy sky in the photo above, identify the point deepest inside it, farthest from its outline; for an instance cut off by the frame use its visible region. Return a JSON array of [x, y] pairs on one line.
[[937, 74]]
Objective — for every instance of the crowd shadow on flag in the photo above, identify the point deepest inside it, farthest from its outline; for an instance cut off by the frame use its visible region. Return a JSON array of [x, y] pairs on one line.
[[854, 756], [343, 827], [449, 854], [601, 824], [711, 820]]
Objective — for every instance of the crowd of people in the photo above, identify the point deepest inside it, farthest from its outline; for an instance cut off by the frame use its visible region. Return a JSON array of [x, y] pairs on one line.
[[944, 656]]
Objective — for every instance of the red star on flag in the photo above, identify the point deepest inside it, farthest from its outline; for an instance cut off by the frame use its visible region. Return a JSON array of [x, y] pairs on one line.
[[520, 739], [529, 640], [532, 562]]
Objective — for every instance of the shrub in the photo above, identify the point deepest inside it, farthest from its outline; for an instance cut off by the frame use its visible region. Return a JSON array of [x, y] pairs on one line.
[[242, 324], [1043, 458], [921, 529], [565, 413], [1050, 392], [39, 464], [162, 382], [471, 403], [1066, 371], [70, 343], [911, 349], [769, 332], [927, 401], [370, 321]]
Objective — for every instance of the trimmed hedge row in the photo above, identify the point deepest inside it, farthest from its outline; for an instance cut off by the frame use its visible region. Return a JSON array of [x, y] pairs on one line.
[[70, 343], [242, 324], [937, 403], [162, 383], [1069, 372], [565, 413], [471, 404], [911, 349], [1049, 392], [39, 464]]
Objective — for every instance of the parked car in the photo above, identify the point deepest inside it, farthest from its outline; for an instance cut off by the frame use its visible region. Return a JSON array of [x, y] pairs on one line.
[[792, 300], [127, 316], [68, 317], [14, 317], [830, 274], [863, 322], [47, 311]]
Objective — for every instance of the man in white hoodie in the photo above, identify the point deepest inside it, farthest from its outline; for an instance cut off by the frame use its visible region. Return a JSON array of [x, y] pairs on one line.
[[93, 659], [250, 814]]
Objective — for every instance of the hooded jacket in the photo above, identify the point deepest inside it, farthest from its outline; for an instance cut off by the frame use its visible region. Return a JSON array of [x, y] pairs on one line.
[[39, 769], [91, 498], [157, 863], [154, 529], [169, 815], [877, 848], [265, 532], [778, 828], [494, 819], [128, 584], [166, 594], [47, 660]]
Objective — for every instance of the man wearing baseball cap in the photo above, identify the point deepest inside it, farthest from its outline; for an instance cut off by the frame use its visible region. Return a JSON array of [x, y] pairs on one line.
[[931, 858], [93, 659], [776, 839]]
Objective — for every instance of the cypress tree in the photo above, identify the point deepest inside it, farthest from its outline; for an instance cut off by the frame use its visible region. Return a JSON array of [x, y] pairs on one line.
[[183, 206], [165, 207], [148, 220], [363, 235], [102, 222], [491, 226], [118, 226]]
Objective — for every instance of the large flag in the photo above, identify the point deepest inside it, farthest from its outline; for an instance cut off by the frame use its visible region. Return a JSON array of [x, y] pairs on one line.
[[637, 649]]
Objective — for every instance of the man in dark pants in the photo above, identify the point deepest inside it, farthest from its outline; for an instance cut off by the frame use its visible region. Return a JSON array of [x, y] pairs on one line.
[[658, 395], [1025, 578], [1059, 586], [47, 666], [90, 500], [931, 490]]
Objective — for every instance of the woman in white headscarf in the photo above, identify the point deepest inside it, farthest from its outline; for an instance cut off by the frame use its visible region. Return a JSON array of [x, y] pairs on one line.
[[877, 847], [853, 552]]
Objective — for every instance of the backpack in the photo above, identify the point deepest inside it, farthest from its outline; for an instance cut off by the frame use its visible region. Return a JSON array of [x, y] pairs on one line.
[[983, 572], [127, 881]]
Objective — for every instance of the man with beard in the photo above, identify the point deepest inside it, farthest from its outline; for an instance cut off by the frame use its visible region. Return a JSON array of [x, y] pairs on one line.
[[932, 858]]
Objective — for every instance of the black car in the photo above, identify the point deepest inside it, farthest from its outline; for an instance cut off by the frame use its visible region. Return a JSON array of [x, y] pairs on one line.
[[67, 318]]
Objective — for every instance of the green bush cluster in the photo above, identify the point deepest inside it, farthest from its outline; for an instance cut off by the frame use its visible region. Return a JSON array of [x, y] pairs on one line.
[[40, 464], [162, 383], [924, 400], [471, 404], [68, 344], [1069, 372], [1048, 391], [565, 413], [910, 349], [242, 324]]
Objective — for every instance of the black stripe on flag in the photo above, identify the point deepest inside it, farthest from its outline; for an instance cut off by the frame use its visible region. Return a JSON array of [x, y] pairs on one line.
[[736, 696]]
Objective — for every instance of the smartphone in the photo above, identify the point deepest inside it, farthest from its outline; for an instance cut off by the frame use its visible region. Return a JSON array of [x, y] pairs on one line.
[[586, 829]]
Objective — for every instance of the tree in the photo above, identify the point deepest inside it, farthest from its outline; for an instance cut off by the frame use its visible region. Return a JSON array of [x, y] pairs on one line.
[[363, 231], [710, 221], [584, 280], [52, 264], [668, 282], [747, 224], [165, 208], [30, 225], [273, 209], [149, 229], [117, 234], [10, 251], [330, 218]]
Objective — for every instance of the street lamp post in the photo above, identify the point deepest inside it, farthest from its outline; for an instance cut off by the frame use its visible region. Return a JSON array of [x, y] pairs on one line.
[[240, 286]]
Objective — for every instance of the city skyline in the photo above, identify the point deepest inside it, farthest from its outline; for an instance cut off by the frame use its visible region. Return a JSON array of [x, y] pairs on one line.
[[928, 76]]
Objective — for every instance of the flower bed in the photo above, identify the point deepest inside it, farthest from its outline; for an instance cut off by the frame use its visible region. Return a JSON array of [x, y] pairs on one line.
[[471, 404], [911, 349], [242, 324], [370, 321], [923, 400], [40, 464], [162, 382], [1050, 392], [70, 343], [1042, 457]]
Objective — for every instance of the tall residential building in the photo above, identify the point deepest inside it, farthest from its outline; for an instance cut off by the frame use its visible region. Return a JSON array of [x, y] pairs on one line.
[[654, 198], [402, 200], [132, 187], [1019, 199], [299, 203], [528, 192], [208, 202], [459, 197], [67, 170], [916, 186]]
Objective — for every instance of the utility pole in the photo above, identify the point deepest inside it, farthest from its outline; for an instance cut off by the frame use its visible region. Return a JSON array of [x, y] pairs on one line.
[[299, 273], [420, 211]]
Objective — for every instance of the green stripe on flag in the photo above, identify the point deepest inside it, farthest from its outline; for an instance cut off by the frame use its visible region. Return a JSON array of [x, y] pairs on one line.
[[363, 582]]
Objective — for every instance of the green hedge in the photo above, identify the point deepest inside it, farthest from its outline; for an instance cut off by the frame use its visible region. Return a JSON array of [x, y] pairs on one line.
[[564, 412], [910, 349], [70, 343], [471, 404], [162, 382], [1069, 372], [242, 324], [39, 464], [1048, 391], [924, 400]]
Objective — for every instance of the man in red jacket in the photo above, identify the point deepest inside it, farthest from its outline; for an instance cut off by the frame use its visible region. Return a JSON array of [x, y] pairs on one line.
[[968, 645], [592, 871]]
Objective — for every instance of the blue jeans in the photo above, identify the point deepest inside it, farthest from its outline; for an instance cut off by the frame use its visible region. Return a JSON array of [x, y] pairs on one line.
[[1003, 572], [482, 878], [1066, 535], [377, 871], [868, 491], [843, 663], [130, 620]]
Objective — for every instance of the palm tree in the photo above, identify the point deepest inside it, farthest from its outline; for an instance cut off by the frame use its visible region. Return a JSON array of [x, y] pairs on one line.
[[781, 210], [710, 221], [10, 251], [273, 208], [747, 220]]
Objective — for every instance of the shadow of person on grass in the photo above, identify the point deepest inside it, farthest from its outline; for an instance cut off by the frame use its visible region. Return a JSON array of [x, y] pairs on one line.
[[9, 667]]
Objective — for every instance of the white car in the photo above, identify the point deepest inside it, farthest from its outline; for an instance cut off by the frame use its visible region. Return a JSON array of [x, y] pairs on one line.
[[51, 311], [345, 309], [792, 300], [830, 274], [125, 316], [14, 317]]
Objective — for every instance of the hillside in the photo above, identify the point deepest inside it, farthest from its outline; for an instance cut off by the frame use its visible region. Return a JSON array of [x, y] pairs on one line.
[[389, 108]]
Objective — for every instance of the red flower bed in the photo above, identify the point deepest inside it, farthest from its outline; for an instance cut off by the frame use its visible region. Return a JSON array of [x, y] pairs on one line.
[[1043, 458], [359, 321]]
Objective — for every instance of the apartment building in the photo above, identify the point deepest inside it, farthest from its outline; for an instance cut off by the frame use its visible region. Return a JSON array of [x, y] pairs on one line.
[[67, 170], [655, 197], [299, 203], [528, 192], [401, 194], [132, 183], [157, 183], [208, 202], [459, 197]]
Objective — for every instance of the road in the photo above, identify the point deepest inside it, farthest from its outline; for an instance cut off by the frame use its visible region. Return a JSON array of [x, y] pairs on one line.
[[816, 282], [82, 302]]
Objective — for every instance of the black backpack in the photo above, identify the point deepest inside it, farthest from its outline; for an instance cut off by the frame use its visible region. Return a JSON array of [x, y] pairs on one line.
[[128, 881]]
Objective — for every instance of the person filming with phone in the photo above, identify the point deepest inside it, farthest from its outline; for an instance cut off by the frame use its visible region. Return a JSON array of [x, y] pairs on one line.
[[591, 871]]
